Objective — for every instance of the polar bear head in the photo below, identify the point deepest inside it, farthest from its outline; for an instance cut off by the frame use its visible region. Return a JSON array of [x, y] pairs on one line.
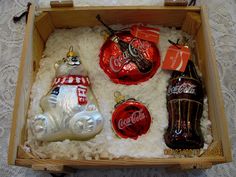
[[71, 65]]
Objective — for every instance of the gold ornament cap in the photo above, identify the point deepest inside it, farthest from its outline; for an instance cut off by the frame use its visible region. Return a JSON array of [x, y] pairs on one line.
[[105, 34], [71, 53], [119, 97]]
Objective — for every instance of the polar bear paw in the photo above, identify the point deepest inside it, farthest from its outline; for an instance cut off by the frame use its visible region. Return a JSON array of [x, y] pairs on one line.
[[86, 124], [39, 125]]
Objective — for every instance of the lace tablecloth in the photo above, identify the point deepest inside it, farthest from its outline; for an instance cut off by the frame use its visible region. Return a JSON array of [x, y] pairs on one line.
[[223, 25]]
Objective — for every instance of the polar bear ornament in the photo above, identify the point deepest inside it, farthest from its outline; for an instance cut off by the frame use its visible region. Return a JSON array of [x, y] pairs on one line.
[[69, 109]]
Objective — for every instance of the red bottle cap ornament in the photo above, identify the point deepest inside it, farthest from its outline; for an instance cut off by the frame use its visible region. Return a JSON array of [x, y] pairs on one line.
[[130, 119], [123, 69]]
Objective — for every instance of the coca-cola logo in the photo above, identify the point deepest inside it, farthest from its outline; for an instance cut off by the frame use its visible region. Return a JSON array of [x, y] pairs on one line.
[[135, 117], [183, 88], [116, 64], [136, 48]]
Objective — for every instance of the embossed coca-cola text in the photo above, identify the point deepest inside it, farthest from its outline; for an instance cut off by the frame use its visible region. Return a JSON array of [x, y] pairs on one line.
[[135, 117], [183, 88]]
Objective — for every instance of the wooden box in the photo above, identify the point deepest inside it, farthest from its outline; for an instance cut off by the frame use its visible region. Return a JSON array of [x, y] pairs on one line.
[[37, 32]]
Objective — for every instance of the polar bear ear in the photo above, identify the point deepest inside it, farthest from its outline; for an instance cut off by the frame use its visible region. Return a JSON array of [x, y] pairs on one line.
[[58, 63]]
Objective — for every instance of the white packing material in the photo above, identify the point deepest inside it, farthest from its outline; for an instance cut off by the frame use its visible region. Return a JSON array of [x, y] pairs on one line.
[[152, 93]]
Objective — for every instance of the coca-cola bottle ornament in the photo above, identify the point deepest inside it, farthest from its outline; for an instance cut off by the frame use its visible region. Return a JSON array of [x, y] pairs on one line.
[[127, 59], [69, 109], [131, 118], [185, 105]]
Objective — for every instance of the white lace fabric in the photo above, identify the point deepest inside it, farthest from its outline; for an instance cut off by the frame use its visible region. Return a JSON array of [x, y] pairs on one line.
[[222, 16]]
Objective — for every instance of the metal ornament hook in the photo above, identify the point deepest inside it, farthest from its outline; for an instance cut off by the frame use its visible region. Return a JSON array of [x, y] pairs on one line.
[[117, 94], [71, 49]]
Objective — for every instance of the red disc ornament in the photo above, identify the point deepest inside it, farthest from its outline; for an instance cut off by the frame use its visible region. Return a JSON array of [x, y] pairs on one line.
[[131, 119], [120, 67]]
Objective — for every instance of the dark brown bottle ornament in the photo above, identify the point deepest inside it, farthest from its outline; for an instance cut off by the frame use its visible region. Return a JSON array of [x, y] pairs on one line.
[[185, 107]]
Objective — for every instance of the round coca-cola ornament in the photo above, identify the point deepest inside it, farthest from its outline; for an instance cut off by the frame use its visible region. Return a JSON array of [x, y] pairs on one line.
[[129, 60], [131, 118]]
